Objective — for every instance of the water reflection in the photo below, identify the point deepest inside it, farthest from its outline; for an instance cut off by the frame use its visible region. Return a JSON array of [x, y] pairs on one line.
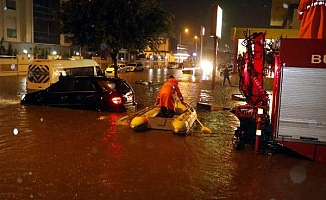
[[75, 154]]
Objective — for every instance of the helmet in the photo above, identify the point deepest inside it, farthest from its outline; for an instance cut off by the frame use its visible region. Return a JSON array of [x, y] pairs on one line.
[[172, 80]]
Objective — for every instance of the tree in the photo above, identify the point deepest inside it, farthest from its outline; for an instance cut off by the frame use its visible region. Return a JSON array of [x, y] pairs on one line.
[[128, 24], [36, 52], [10, 51], [43, 54], [2, 48]]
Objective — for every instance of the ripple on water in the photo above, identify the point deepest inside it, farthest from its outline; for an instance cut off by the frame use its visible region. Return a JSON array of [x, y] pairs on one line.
[[60, 153]]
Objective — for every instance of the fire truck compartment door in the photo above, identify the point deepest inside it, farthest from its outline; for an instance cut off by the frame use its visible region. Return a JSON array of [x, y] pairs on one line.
[[302, 109]]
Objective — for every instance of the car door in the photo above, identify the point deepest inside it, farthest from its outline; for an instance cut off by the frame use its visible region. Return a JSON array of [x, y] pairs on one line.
[[82, 94], [59, 92]]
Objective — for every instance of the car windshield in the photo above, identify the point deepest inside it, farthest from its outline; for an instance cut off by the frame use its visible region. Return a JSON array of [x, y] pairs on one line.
[[132, 64], [119, 86], [122, 87]]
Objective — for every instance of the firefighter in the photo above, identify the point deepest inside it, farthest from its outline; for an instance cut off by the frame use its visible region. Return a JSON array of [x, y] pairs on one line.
[[313, 16], [226, 74], [165, 97]]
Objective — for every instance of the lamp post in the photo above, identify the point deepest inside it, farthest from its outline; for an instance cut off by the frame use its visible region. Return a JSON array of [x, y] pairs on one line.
[[216, 32], [196, 40], [202, 33], [186, 30]]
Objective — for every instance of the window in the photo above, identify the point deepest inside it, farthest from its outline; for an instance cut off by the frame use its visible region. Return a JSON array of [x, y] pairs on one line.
[[107, 86], [11, 33], [80, 71], [121, 56], [99, 71], [162, 41], [11, 27], [83, 85], [11, 4], [119, 86], [63, 85], [45, 21]]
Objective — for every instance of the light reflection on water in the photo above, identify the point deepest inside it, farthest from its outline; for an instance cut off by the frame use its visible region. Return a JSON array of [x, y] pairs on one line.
[[75, 154]]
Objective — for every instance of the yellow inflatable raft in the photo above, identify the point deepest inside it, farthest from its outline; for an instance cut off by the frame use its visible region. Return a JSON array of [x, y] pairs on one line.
[[181, 123]]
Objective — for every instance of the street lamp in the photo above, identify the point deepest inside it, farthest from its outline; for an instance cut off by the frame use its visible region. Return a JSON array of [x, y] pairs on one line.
[[186, 30], [202, 33], [196, 39]]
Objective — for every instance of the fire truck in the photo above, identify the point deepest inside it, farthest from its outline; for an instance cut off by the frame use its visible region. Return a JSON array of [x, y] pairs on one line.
[[295, 116]]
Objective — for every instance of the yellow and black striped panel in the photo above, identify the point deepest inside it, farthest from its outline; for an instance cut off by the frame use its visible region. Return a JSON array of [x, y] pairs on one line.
[[38, 73]]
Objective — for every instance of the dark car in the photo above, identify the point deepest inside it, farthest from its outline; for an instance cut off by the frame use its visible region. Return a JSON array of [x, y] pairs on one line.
[[95, 93]]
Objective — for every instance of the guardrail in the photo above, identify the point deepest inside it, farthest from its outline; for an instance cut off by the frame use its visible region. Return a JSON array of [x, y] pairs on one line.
[[18, 65], [13, 65]]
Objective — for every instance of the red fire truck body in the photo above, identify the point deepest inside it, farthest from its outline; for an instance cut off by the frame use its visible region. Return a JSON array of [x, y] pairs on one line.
[[298, 109]]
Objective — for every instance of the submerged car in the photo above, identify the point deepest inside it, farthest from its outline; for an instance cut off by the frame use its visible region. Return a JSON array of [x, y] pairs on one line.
[[94, 93]]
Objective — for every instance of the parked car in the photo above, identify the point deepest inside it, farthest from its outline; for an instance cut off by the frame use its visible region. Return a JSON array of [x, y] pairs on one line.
[[133, 67], [173, 65], [95, 93], [110, 70]]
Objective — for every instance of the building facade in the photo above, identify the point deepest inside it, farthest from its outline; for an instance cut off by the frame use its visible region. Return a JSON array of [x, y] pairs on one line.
[[31, 27]]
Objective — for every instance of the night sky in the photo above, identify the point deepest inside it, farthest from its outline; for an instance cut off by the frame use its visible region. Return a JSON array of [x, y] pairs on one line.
[[236, 13]]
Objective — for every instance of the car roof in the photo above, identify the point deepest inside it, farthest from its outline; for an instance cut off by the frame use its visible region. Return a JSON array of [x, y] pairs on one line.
[[99, 78], [118, 64]]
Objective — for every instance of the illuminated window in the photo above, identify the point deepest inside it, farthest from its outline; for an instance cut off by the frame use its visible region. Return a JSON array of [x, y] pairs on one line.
[[11, 4], [162, 40]]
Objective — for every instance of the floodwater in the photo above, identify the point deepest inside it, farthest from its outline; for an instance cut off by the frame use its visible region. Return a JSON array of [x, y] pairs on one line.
[[56, 153]]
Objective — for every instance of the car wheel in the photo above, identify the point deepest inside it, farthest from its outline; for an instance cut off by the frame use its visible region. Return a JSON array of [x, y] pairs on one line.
[[98, 107]]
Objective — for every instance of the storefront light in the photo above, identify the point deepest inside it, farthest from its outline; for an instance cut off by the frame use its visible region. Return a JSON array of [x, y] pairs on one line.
[[258, 132], [260, 111]]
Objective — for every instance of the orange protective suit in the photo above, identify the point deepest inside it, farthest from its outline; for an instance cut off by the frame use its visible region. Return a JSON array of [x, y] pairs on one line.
[[313, 16], [166, 92]]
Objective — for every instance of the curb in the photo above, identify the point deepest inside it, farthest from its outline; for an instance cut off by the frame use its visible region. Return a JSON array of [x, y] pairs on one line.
[[211, 107], [238, 97]]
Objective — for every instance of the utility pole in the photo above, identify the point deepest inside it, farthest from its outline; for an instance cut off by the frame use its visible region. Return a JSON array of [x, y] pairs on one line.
[[202, 33], [216, 32]]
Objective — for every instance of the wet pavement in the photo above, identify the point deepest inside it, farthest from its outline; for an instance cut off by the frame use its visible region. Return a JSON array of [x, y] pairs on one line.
[[56, 153]]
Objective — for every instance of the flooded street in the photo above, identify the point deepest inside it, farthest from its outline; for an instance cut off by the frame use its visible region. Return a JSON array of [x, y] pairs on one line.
[[55, 153]]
